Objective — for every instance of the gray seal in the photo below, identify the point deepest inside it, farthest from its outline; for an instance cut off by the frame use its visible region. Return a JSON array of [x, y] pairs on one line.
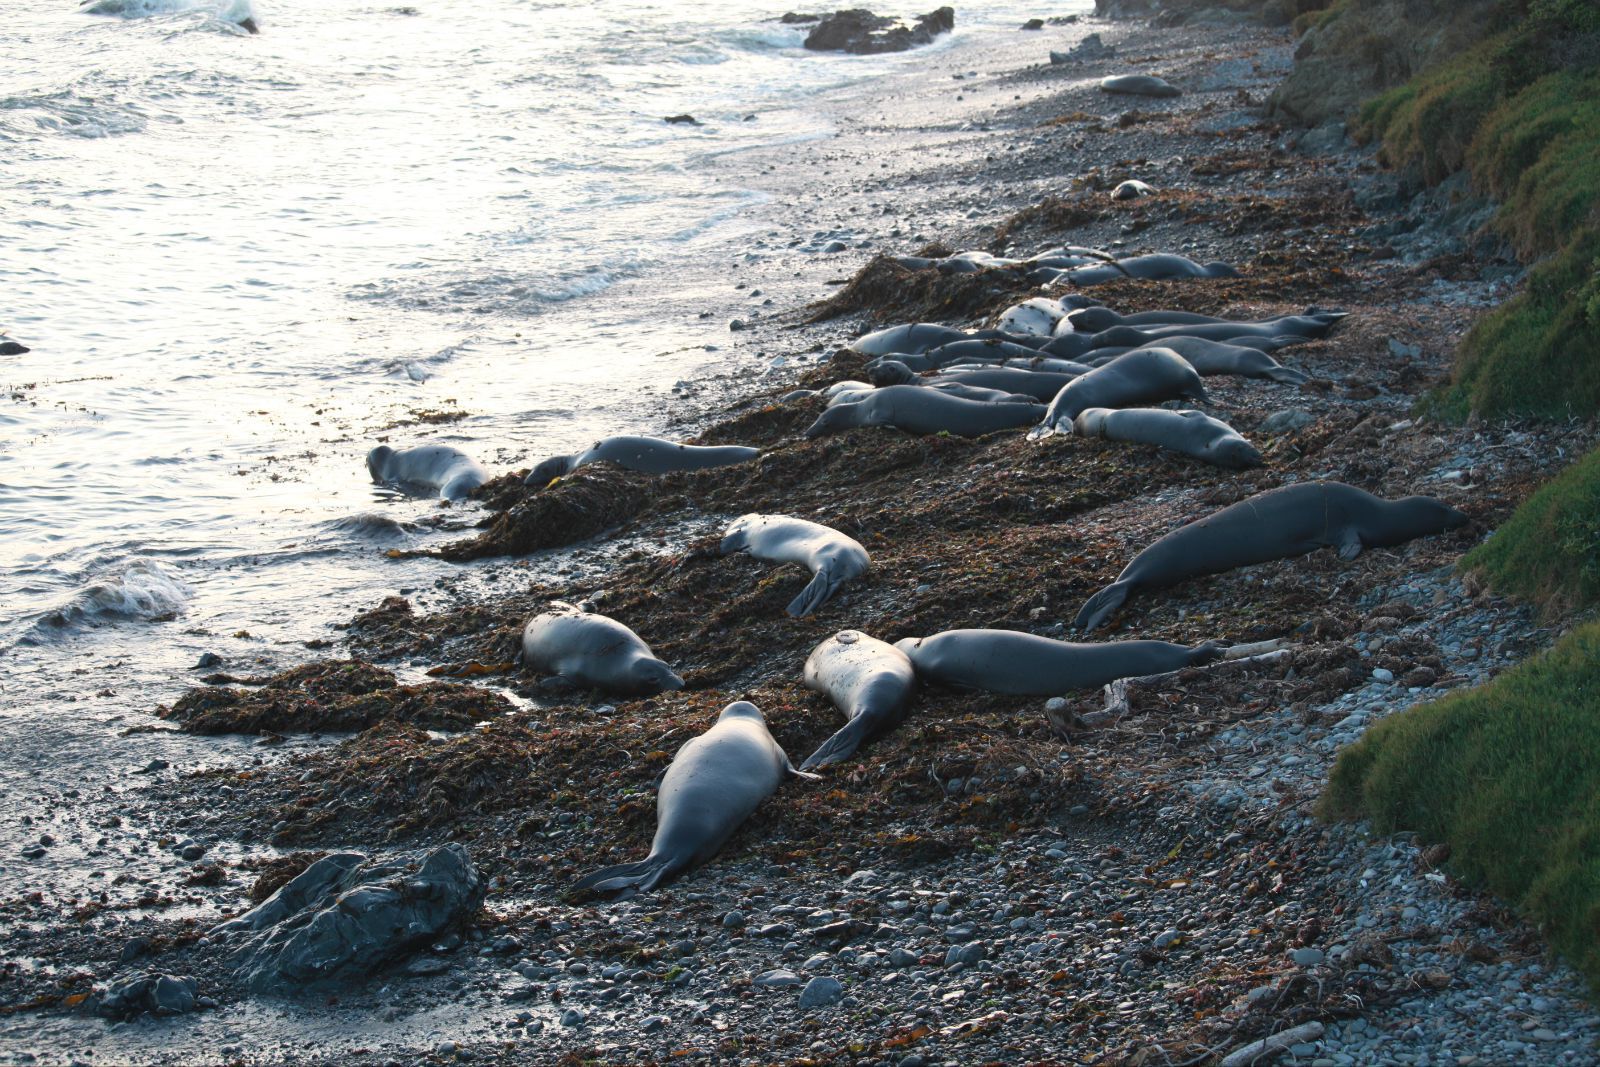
[[714, 783], [1277, 524], [1160, 266], [885, 372], [1132, 189], [918, 410], [1022, 664], [832, 557], [594, 651], [869, 680], [1149, 375], [1037, 315], [970, 351], [647, 455], [449, 471], [1210, 358], [1037, 385], [1298, 326], [1139, 85], [1192, 433], [915, 338]]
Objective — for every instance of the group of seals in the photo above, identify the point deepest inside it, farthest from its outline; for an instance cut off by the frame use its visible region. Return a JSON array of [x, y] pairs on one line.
[[713, 784], [1127, 381]]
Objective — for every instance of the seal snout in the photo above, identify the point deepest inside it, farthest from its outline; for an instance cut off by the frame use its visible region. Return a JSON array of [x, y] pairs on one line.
[[376, 459]]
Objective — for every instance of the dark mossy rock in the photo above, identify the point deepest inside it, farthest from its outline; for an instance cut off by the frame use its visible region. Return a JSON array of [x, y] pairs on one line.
[[331, 695], [890, 290], [581, 505]]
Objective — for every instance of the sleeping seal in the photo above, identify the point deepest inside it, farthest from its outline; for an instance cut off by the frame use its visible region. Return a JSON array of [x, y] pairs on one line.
[[918, 337], [1021, 664], [1160, 266], [593, 651], [830, 556], [867, 679], [713, 784], [918, 410], [1210, 358], [885, 372], [1139, 85], [1149, 375], [647, 455], [1037, 385], [1277, 524], [1132, 189], [449, 471], [1290, 326], [1189, 432]]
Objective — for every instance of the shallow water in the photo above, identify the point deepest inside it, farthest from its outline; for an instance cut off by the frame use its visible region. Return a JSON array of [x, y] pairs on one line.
[[241, 260]]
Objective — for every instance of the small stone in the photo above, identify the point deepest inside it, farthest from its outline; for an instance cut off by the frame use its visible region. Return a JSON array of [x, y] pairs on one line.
[[653, 1023], [193, 851], [445, 1048], [134, 948], [1287, 421], [153, 766], [425, 966], [734, 920], [819, 960], [834, 246], [738, 324], [899, 957], [1382, 675], [207, 659], [961, 932], [1307, 957], [775, 979], [572, 1017], [821, 992], [1167, 938]]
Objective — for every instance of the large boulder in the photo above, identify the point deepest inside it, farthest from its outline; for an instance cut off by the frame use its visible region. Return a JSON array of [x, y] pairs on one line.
[[158, 994], [860, 32], [344, 916]]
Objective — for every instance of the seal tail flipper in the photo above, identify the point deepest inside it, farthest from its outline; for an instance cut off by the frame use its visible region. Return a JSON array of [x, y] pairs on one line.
[[1288, 376], [1098, 608], [645, 875], [817, 593], [838, 748]]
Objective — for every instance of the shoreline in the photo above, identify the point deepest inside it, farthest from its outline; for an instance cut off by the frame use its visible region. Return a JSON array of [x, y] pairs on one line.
[[1056, 834]]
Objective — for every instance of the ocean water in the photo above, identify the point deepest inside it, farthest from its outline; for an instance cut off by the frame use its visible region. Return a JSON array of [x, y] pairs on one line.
[[242, 260]]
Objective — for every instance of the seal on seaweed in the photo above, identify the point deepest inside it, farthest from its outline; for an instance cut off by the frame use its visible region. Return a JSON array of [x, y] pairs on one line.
[[1210, 358], [713, 785], [647, 455], [592, 650], [1149, 375], [1023, 664], [831, 557], [1277, 524], [916, 409], [1158, 266], [449, 471], [869, 680], [1192, 433]]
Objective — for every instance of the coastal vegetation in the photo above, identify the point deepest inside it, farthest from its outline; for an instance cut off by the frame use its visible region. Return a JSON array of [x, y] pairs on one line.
[[1504, 774]]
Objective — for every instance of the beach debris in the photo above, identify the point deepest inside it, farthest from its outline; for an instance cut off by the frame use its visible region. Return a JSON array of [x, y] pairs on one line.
[[345, 915]]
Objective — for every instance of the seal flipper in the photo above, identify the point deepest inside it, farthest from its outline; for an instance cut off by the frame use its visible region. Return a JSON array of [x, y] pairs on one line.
[[644, 875], [840, 747], [1288, 375], [1350, 545], [1098, 608], [816, 593]]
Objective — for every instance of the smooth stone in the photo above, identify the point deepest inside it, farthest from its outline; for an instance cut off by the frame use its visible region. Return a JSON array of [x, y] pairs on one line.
[[820, 992]]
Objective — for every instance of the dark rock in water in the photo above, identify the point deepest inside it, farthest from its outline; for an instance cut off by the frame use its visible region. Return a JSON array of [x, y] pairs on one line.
[[682, 120], [860, 32], [11, 348], [1125, 9], [1033, 24], [207, 659], [344, 916], [795, 18], [158, 994]]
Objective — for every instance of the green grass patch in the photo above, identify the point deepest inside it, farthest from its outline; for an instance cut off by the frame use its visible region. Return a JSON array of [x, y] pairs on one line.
[[1506, 775], [1549, 551], [1538, 354]]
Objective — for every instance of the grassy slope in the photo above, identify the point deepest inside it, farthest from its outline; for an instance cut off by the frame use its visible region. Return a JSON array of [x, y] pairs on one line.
[[1506, 775]]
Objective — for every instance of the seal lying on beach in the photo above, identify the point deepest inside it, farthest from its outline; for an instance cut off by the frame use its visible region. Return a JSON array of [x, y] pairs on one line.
[[1132, 189], [1211, 358], [449, 471], [647, 455], [919, 410], [915, 338], [1303, 327], [713, 785], [1022, 664], [1147, 376], [1277, 524], [1159, 266], [1139, 85], [831, 557], [1039, 385], [594, 651], [1192, 433], [867, 679]]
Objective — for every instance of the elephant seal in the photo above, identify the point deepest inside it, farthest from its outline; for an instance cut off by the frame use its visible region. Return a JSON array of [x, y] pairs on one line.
[[1192, 433], [450, 471], [594, 651], [1036, 385], [869, 680], [1160, 266], [647, 455], [918, 410], [886, 372], [713, 785], [1149, 375], [1095, 319], [1043, 365], [917, 338], [971, 351], [1277, 524], [1037, 315], [1139, 85], [831, 557], [1132, 189], [1294, 326], [1210, 358], [13, 348], [1022, 664]]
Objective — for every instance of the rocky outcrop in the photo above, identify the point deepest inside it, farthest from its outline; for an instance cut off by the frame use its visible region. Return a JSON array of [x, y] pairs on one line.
[[1367, 46], [860, 32], [344, 916]]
